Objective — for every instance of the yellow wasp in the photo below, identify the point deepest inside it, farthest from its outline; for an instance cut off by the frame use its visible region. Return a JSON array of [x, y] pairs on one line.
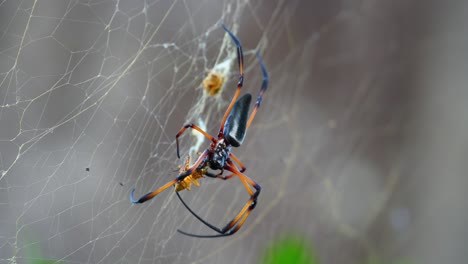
[[192, 178]]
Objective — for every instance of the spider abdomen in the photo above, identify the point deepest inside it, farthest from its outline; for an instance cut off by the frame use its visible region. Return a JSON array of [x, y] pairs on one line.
[[236, 123]]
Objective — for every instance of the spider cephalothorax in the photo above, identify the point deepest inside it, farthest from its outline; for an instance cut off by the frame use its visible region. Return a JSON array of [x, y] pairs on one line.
[[218, 156]]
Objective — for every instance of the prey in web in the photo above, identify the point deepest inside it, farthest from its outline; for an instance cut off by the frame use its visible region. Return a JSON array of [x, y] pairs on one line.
[[186, 183]]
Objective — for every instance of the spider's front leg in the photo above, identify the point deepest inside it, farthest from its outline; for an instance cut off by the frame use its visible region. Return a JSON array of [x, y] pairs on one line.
[[179, 178], [182, 130]]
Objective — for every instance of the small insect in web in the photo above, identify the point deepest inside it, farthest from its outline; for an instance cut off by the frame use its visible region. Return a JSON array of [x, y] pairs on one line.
[[185, 184], [218, 155], [213, 82]]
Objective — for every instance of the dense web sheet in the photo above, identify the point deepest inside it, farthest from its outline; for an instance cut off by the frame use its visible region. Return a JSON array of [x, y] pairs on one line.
[[92, 94]]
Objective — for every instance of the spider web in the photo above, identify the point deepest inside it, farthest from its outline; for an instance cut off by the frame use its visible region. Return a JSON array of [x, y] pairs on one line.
[[92, 94]]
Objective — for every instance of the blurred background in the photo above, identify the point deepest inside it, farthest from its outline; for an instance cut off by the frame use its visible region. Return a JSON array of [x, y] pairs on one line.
[[360, 144]]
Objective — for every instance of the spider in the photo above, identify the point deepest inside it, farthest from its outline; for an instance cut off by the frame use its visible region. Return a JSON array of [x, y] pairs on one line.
[[218, 155]]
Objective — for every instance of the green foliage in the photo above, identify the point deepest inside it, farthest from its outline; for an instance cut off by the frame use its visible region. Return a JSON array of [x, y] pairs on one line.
[[295, 250], [44, 261], [289, 250], [33, 256]]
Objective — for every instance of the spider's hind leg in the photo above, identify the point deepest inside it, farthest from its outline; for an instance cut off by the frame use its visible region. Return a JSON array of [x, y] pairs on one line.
[[235, 224], [263, 88]]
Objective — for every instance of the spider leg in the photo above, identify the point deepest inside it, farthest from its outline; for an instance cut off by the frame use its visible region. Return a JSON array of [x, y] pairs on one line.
[[218, 176], [228, 229], [182, 130], [219, 230], [240, 60], [243, 168], [181, 177], [262, 90], [212, 175], [235, 224]]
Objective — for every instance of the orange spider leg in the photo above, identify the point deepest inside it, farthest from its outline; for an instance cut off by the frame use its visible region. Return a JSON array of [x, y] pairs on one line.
[[261, 92], [193, 127], [235, 224], [179, 178], [243, 168], [150, 195], [240, 61]]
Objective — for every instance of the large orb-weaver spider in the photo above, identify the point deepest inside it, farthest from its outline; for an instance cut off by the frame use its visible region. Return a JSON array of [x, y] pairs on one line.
[[218, 156]]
